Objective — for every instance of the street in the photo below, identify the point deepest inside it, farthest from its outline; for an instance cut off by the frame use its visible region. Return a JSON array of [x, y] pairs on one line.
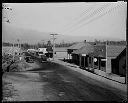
[[54, 82], [64, 51]]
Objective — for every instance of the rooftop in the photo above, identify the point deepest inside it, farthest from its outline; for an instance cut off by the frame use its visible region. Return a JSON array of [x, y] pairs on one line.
[[88, 48], [77, 45], [112, 50]]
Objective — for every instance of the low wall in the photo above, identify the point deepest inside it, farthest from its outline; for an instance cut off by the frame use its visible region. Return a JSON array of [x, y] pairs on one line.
[[120, 86], [110, 76]]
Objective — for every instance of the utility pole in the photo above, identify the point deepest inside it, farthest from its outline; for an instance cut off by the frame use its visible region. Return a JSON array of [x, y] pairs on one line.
[[53, 44], [106, 56], [18, 46], [126, 52], [13, 52], [43, 42]]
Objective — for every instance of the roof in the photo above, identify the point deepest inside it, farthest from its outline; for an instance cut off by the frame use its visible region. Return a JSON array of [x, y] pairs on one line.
[[99, 51], [77, 46], [112, 50], [88, 48]]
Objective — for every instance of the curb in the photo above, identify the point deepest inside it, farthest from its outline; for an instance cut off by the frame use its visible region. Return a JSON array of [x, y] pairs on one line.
[[117, 85]]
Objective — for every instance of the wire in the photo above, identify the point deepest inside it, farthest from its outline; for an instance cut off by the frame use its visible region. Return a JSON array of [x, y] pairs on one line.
[[99, 10], [78, 17], [98, 17]]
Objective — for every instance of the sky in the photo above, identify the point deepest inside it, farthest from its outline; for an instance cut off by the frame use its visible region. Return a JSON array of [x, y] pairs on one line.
[[99, 19]]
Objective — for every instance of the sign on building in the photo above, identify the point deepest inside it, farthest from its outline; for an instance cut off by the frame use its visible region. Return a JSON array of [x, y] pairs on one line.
[[83, 54], [95, 60], [103, 59]]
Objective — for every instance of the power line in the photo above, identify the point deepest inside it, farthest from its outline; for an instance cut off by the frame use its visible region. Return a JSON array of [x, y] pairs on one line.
[[78, 17], [98, 17], [95, 12]]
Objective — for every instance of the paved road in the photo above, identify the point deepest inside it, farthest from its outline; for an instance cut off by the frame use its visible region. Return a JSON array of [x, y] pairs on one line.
[[54, 82]]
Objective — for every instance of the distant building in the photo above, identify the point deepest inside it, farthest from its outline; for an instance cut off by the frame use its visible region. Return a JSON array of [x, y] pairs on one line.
[[81, 56], [73, 48]]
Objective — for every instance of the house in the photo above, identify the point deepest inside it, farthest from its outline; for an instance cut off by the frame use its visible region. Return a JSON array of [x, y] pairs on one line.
[[73, 48], [81, 56], [99, 57], [110, 59], [116, 56]]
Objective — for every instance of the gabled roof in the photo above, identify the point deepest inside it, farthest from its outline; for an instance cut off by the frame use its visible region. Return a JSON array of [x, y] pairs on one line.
[[99, 51], [77, 46], [88, 48], [112, 50]]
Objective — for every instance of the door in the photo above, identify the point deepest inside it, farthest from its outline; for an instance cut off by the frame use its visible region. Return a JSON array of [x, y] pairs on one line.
[[115, 66]]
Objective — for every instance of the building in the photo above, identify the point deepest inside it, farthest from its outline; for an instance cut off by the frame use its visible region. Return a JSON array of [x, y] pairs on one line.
[[110, 59], [60, 53], [73, 48], [105, 60], [99, 57], [81, 56]]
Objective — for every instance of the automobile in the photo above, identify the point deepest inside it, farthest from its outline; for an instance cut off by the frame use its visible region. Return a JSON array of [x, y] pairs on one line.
[[29, 59], [43, 57]]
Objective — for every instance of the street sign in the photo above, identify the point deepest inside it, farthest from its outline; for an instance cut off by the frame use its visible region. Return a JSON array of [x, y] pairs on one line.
[[95, 59], [103, 59], [83, 54]]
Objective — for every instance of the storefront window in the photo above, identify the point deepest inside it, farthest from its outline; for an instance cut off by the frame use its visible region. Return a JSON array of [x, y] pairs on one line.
[[103, 63]]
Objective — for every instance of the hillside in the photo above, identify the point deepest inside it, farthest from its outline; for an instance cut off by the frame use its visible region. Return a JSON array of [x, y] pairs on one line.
[[11, 33]]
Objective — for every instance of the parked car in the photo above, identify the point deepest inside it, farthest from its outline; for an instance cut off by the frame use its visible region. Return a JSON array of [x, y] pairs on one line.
[[43, 57], [29, 59]]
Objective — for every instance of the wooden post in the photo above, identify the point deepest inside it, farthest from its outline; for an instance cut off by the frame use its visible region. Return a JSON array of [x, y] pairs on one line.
[[67, 55], [84, 61], [106, 57], [93, 63], [80, 59], [87, 62], [98, 63]]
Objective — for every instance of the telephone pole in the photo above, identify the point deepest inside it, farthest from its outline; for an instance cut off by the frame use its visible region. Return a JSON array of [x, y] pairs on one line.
[[18, 46], [53, 44]]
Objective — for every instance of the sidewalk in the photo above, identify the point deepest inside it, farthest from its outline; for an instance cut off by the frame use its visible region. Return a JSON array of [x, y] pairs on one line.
[[122, 87]]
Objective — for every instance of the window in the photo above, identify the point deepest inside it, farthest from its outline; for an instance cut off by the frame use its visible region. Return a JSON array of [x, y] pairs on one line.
[[103, 63]]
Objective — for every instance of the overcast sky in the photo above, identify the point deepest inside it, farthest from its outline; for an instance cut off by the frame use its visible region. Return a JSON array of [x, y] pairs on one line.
[[77, 19]]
